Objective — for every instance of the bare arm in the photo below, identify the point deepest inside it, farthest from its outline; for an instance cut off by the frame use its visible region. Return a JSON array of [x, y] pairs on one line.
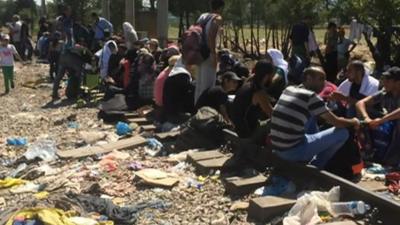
[[340, 122], [362, 108], [224, 113]]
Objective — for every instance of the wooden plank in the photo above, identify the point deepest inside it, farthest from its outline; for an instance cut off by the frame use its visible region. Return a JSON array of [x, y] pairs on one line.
[[264, 209], [204, 155], [88, 151], [167, 135], [148, 127], [206, 166], [140, 121], [243, 185]]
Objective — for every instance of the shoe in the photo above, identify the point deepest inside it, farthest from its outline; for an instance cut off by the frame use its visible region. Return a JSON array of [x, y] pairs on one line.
[[12, 85]]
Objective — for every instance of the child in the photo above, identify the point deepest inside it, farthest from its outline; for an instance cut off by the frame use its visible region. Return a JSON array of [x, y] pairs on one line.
[[7, 53]]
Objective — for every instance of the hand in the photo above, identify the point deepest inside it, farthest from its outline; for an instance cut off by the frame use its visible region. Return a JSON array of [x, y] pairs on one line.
[[109, 79], [374, 124], [356, 124], [336, 96]]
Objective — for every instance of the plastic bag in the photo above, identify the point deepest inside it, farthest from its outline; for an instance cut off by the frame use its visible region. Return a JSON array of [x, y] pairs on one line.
[[43, 149], [305, 211]]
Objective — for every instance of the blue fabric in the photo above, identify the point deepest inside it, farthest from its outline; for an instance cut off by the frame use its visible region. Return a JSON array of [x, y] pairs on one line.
[[317, 148], [100, 27]]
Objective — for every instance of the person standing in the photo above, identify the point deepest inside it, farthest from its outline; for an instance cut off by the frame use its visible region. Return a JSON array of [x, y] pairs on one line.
[[331, 54], [206, 75], [343, 49], [7, 53], [299, 37], [15, 30], [102, 30]]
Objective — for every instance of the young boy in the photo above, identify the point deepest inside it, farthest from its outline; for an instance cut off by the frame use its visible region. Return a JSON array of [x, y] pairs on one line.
[[7, 53]]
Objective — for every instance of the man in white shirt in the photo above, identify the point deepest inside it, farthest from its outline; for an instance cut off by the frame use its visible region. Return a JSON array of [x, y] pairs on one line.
[[15, 30], [358, 85]]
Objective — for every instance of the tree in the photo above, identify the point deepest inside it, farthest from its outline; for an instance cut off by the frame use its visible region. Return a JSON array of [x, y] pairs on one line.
[[382, 15]]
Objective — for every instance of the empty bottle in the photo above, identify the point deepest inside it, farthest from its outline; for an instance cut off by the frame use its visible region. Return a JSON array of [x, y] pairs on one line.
[[353, 208]]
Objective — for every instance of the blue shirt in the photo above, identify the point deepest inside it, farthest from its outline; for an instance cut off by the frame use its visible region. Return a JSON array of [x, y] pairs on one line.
[[100, 27]]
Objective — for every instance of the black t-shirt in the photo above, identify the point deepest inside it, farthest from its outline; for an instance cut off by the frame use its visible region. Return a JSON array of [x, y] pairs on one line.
[[355, 92], [213, 97], [300, 33]]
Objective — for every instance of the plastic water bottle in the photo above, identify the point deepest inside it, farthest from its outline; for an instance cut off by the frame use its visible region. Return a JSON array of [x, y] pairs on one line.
[[349, 208]]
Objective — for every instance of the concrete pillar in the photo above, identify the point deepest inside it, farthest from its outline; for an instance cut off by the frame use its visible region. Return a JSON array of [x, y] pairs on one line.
[[162, 22], [106, 9], [130, 12]]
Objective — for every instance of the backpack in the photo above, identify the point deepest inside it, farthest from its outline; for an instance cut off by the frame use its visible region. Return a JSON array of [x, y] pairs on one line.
[[195, 49]]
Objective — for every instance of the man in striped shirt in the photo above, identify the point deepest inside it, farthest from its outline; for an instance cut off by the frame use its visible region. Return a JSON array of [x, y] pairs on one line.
[[294, 130]]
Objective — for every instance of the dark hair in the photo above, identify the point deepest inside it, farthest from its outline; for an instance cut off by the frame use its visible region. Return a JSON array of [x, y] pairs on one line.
[[332, 25], [358, 65], [262, 69], [94, 14], [217, 4]]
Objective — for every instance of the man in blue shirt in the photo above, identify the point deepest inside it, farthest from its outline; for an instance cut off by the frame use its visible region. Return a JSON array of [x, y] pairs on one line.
[[102, 29]]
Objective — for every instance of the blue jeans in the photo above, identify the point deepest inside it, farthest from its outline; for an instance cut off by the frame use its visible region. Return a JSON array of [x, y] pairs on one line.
[[317, 148]]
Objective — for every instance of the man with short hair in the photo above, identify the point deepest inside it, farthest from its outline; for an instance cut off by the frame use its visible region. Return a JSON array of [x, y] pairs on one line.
[[358, 85], [299, 37], [102, 29], [206, 75], [294, 130], [389, 100]]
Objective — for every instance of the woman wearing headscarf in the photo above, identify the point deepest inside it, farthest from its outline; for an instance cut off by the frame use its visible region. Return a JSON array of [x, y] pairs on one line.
[[104, 57], [280, 80], [130, 35]]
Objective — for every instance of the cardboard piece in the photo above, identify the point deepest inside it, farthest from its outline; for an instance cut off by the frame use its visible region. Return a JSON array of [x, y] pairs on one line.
[[88, 151], [157, 178]]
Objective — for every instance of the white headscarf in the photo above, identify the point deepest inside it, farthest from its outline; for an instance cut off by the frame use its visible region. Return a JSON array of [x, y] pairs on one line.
[[130, 35], [279, 61], [104, 55]]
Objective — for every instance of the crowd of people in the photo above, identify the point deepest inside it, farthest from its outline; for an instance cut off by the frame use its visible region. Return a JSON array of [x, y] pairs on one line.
[[308, 119]]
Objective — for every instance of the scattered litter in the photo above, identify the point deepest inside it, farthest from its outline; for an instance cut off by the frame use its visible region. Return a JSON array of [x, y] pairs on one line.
[[279, 186], [17, 141], [123, 129], [44, 149]]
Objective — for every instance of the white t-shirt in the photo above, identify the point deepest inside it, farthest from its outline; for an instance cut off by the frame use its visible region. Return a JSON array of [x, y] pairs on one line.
[[7, 55], [16, 31]]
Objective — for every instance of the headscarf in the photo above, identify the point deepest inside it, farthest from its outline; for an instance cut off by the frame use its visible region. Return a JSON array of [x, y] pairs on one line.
[[279, 61], [130, 35], [104, 56]]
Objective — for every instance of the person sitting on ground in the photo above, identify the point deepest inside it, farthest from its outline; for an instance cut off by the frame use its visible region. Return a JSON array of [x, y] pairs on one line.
[[294, 131], [104, 55], [130, 35], [154, 49], [252, 103], [388, 99], [115, 69], [280, 80], [358, 85], [226, 62], [217, 97], [178, 94], [160, 81]]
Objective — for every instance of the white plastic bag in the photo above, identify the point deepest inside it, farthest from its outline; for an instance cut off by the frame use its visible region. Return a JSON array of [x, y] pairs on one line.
[[305, 211], [44, 149]]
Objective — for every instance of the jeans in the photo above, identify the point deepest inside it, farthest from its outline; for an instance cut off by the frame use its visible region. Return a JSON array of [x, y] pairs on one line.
[[317, 148]]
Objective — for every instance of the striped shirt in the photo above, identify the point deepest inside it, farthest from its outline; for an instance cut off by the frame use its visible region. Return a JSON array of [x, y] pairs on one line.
[[294, 108]]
